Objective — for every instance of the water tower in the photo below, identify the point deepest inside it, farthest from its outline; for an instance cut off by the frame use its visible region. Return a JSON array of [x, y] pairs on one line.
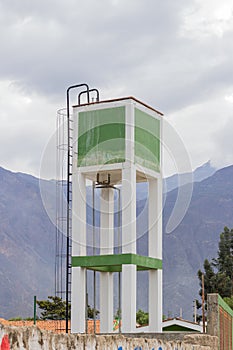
[[116, 144]]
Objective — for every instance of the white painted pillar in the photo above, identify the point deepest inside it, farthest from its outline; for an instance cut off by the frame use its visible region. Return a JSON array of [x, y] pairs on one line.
[[106, 302], [106, 221], [78, 286], [155, 301], [78, 300], [129, 279], [155, 251], [129, 246], [78, 215], [129, 209], [106, 247]]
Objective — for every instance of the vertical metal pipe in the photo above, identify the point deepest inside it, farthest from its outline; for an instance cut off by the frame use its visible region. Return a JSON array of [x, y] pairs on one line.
[[86, 306], [34, 318], [68, 211], [119, 252], [88, 96], [203, 302], [94, 252], [195, 311]]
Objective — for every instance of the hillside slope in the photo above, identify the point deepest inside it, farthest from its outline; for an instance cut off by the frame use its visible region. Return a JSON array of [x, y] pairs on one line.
[[195, 239], [27, 241], [27, 245]]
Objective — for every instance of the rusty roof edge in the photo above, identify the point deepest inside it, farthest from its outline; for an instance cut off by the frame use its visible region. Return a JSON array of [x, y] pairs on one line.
[[121, 99]]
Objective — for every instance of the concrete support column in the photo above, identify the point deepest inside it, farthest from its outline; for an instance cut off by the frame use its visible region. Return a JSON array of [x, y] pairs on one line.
[[78, 292], [106, 247], [106, 302], [106, 221], [78, 300], [129, 209], [79, 215], [155, 218], [129, 246], [155, 301], [155, 251], [129, 298]]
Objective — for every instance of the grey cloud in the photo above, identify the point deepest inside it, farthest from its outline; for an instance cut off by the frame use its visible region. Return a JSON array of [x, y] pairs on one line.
[[222, 148], [121, 47], [46, 47]]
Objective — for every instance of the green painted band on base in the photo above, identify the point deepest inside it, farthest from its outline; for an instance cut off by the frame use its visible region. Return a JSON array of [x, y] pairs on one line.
[[114, 262], [225, 306], [228, 309]]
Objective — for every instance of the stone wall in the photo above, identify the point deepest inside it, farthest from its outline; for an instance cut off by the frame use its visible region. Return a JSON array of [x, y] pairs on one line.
[[33, 338], [213, 314], [220, 321]]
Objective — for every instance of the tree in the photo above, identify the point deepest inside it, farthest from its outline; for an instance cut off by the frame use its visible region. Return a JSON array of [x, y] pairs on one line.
[[209, 278], [91, 312], [142, 317], [224, 261], [53, 309], [117, 315], [229, 301], [218, 274]]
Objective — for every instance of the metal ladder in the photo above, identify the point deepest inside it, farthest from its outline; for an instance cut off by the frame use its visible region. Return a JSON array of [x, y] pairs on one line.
[[64, 210]]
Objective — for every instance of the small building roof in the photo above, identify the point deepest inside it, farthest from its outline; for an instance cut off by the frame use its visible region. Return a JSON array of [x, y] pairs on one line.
[[178, 325]]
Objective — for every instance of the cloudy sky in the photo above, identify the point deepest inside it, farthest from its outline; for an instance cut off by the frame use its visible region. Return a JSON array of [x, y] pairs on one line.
[[174, 55]]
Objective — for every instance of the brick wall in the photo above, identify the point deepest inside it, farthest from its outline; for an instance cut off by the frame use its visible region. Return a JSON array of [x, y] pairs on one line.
[[50, 325]]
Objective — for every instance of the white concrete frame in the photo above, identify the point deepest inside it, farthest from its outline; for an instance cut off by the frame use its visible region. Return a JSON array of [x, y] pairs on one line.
[[129, 273]]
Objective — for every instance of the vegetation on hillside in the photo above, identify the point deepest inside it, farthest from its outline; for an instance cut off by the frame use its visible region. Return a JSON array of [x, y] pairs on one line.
[[218, 273], [19, 318]]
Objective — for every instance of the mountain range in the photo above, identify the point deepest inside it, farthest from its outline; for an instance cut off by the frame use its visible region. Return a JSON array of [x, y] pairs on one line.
[[196, 238], [27, 239]]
